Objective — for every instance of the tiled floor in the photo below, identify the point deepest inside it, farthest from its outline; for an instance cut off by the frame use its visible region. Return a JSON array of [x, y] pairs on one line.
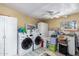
[[59, 54], [40, 51]]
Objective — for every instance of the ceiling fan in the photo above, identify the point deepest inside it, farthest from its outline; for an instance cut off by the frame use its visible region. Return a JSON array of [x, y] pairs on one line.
[[52, 13]]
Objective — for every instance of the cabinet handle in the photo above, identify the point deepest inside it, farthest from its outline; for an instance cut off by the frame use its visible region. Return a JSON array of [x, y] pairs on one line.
[[68, 40], [4, 37]]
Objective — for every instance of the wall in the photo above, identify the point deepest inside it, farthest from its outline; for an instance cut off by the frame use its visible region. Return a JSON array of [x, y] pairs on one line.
[[30, 20], [4, 10], [55, 23]]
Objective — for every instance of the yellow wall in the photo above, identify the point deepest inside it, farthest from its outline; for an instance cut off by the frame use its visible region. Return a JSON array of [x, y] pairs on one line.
[[30, 20], [21, 17], [55, 23]]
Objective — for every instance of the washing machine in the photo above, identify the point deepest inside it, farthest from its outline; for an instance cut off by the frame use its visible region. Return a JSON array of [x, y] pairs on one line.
[[25, 44]]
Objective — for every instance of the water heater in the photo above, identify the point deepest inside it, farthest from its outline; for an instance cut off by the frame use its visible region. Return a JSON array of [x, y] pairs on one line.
[[43, 28]]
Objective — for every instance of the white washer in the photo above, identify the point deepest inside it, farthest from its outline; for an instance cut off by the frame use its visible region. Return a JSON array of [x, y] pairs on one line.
[[25, 44]]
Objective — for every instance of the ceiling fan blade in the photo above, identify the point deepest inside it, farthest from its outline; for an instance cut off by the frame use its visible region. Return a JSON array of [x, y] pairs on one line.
[[56, 13]]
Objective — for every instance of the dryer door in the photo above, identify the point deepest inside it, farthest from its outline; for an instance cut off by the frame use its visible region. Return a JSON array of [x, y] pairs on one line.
[[38, 40], [26, 43]]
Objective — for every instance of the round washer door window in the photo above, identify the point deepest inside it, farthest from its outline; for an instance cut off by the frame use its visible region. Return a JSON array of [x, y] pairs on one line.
[[38, 40], [26, 43]]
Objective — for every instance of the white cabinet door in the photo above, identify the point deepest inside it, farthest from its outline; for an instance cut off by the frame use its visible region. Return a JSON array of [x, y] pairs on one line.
[[71, 45], [11, 36], [1, 35]]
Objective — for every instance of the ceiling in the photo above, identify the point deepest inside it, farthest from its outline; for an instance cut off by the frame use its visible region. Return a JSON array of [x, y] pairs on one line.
[[45, 10]]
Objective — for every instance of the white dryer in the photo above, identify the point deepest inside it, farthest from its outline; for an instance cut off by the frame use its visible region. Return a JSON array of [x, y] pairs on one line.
[[36, 39], [25, 44], [44, 38], [39, 40]]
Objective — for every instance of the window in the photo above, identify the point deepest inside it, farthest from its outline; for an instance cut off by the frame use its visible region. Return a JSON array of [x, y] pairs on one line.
[[69, 25]]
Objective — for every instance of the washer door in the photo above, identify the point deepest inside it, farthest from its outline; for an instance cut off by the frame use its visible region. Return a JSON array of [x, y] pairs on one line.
[[38, 40], [27, 43]]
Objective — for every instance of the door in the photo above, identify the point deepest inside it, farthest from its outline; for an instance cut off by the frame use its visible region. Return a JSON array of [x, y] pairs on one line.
[[26, 43], [1, 35], [38, 40], [11, 36]]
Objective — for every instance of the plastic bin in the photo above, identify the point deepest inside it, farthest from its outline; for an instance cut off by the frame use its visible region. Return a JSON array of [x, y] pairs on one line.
[[52, 48]]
